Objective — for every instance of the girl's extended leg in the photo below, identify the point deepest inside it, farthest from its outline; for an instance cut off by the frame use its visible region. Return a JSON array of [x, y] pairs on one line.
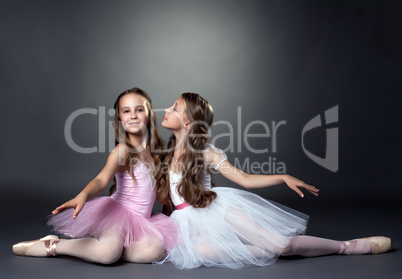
[[217, 255], [146, 251], [307, 246], [310, 246], [106, 248]]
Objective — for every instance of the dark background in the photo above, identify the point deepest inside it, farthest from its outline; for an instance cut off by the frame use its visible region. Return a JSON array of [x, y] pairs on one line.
[[277, 60]]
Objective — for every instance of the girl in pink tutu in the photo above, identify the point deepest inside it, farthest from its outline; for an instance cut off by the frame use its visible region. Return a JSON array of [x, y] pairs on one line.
[[228, 227], [106, 229]]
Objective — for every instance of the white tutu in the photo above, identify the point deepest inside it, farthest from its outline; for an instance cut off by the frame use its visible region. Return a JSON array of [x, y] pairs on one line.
[[237, 229]]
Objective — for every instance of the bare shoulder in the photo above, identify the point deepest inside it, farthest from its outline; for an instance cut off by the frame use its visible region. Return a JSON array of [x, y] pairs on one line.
[[119, 153], [121, 148]]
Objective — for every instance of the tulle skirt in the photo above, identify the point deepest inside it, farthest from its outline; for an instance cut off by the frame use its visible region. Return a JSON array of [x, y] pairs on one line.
[[104, 213], [236, 230]]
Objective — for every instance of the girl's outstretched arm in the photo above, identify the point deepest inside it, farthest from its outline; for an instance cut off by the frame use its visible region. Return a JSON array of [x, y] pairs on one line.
[[215, 158], [98, 184]]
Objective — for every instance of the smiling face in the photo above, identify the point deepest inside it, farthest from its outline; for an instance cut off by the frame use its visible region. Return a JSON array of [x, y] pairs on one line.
[[133, 113], [175, 117]]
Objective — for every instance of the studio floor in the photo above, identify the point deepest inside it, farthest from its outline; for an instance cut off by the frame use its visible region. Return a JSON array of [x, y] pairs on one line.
[[356, 220]]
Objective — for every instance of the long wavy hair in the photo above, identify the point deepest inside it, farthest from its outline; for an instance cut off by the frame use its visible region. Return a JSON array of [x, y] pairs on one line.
[[154, 140], [201, 115]]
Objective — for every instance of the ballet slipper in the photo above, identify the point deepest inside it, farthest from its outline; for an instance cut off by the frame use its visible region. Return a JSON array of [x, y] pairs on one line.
[[379, 244], [50, 241]]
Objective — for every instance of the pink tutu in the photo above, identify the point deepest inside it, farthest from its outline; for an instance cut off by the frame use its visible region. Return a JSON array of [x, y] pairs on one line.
[[127, 211], [105, 213]]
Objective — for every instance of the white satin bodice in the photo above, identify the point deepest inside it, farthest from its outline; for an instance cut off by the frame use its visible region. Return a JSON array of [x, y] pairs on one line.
[[175, 179], [205, 178]]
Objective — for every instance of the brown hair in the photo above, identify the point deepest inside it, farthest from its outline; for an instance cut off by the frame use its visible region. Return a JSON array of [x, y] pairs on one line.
[[121, 136], [201, 115]]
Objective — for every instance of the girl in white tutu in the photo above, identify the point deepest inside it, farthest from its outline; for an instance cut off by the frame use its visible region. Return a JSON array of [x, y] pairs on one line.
[[106, 229], [227, 227]]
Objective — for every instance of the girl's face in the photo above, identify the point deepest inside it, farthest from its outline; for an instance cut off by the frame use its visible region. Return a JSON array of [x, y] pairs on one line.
[[175, 117], [133, 113]]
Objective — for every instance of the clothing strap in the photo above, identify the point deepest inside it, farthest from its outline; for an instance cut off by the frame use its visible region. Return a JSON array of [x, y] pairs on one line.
[[217, 166], [182, 205]]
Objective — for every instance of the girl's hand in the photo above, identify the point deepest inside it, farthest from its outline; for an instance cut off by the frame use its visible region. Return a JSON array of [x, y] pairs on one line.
[[77, 203], [295, 184]]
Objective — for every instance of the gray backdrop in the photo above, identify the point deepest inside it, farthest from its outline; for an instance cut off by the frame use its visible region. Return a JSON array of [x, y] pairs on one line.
[[266, 61], [276, 60]]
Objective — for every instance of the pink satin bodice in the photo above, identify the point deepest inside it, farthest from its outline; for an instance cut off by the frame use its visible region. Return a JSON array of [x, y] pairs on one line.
[[138, 195]]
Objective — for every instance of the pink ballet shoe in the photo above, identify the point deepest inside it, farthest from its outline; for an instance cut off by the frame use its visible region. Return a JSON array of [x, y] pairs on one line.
[[50, 241], [379, 244]]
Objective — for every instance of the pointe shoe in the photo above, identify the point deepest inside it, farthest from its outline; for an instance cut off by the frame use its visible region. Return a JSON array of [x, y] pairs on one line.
[[20, 249], [379, 244]]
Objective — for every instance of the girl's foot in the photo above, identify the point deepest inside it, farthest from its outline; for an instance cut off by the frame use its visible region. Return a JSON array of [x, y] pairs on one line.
[[43, 247], [368, 245]]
